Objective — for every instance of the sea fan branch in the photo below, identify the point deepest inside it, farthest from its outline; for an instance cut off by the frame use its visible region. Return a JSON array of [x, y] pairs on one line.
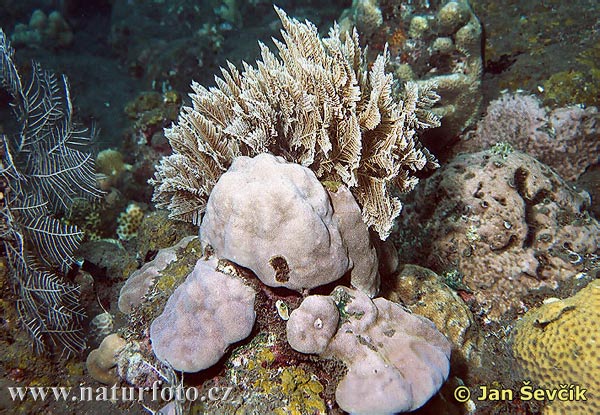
[[44, 167]]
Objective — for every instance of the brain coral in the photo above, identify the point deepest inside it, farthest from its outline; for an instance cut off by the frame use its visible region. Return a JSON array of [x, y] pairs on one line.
[[504, 221], [557, 344], [318, 105], [205, 314]]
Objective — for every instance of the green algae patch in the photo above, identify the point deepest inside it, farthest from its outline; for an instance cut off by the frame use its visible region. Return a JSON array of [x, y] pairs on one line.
[[265, 382], [164, 285]]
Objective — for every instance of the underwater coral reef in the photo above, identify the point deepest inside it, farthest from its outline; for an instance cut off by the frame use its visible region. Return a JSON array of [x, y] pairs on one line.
[[365, 207]]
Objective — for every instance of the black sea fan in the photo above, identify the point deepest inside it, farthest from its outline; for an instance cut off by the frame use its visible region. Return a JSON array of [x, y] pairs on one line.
[[44, 167]]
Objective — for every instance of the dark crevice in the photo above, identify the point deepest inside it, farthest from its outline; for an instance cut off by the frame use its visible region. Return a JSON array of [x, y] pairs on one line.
[[478, 193], [501, 64], [543, 263], [512, 240], [539, 197], [150, 255], [500, 200], [520, 180]]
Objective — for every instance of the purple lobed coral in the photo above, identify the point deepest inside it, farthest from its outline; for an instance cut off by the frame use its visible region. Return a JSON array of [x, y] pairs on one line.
[[396, 360], [205, 314], [277, 219]]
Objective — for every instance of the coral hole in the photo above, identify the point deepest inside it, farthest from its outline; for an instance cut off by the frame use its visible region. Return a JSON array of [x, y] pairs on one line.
[[282, 270]]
